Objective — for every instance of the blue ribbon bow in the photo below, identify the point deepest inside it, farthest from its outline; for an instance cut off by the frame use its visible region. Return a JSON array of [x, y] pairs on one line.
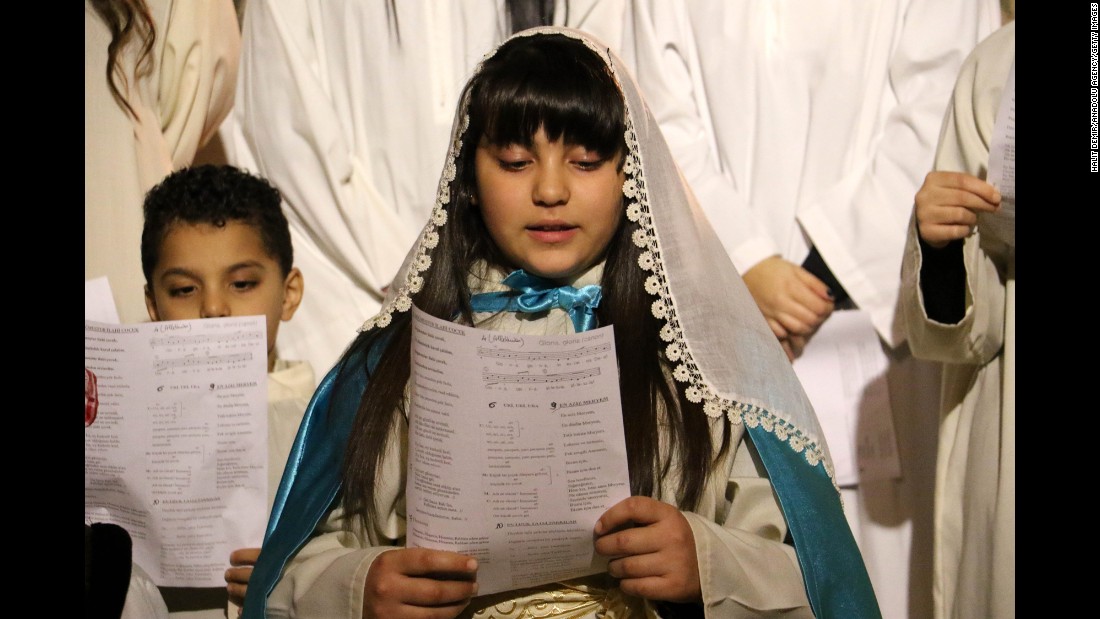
[[532, 294]]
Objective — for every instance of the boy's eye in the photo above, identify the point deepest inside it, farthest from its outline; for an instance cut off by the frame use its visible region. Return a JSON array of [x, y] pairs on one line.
[[247, 284], [180, 291]]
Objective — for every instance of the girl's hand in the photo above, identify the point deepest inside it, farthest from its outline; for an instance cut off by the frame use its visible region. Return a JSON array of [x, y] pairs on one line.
[[948, 203], [652, 550], [419, 583], [236, 577], [792, 299]]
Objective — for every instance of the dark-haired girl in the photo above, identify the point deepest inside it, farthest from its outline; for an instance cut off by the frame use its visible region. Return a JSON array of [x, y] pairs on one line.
[[558, 179]]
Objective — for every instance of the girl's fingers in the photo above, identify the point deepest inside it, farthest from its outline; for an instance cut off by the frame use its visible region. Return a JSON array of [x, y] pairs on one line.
[[420, 577], [426, 562], [432, 593], [635, 510], [638, 566], [244, 556], [238, 575], [633, 541], [236, 593]]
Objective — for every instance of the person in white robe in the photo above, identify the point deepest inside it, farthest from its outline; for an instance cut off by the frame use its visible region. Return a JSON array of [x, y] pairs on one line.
[[822, 119], [960, 305]]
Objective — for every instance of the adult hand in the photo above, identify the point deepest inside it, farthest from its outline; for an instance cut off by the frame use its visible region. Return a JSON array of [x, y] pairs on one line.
[[651, 550], [408, 583], [948, 203], [794, 302], [236, 577]]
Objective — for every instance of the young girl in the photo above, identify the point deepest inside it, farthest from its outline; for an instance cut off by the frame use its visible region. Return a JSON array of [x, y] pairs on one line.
[[558, 181]]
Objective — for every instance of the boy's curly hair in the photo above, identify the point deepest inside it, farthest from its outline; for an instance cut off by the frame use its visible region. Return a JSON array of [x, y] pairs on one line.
[[215, 194]]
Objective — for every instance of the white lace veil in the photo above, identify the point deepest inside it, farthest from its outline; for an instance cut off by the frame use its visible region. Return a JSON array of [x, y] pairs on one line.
[[723, 352]]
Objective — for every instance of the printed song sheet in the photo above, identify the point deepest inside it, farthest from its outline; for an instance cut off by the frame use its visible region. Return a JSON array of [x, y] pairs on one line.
[[515, 449], [175, 441]]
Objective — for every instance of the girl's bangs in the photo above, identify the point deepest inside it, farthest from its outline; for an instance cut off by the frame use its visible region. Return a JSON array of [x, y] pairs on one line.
[[571, 95]]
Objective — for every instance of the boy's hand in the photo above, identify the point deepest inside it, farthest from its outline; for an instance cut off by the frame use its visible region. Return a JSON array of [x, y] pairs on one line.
[[236, 577], [948, 203], [792, 299], [421, 583], [652, 550]]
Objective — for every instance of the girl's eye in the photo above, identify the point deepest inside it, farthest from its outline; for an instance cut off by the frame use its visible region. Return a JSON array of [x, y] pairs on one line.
[[511, 165], [590, 165], [244, 285], [180, 291]]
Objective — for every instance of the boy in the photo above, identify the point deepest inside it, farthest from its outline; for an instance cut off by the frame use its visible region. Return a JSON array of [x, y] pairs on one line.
[[216, 243]]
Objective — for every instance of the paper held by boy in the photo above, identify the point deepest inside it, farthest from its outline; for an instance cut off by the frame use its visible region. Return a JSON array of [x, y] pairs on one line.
[[176, 453], [516, 448]]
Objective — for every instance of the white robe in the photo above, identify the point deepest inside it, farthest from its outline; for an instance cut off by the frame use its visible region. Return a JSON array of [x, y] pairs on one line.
[[179, 106], [975, 553], [355, 144], [822, 119]]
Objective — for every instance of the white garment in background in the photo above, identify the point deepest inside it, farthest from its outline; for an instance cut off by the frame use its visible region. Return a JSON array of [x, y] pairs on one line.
[[356, 143], [179, 106], [823, 118], [346, 106], [975, 556]]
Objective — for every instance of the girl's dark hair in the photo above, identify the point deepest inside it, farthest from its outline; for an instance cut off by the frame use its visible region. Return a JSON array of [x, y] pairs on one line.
[[127, 20], [558, 84]]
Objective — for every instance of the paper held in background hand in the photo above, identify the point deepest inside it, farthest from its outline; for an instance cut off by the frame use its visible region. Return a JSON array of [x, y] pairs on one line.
[[175, 441], [1002, 167], [516, 448], [843, 370]]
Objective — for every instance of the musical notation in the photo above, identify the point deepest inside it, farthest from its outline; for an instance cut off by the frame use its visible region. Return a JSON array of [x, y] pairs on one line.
[[564, 355], [163, 365], [200, 340], [495, 378]]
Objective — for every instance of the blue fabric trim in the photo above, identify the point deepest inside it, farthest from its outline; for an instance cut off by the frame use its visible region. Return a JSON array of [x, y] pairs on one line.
[[832, 567], [312, 478]]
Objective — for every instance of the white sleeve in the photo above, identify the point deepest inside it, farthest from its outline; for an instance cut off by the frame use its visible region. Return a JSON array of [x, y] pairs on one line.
[[327, 577], [745, 568], [964, 147], [859, 223], [198, 72], [296, 108]]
